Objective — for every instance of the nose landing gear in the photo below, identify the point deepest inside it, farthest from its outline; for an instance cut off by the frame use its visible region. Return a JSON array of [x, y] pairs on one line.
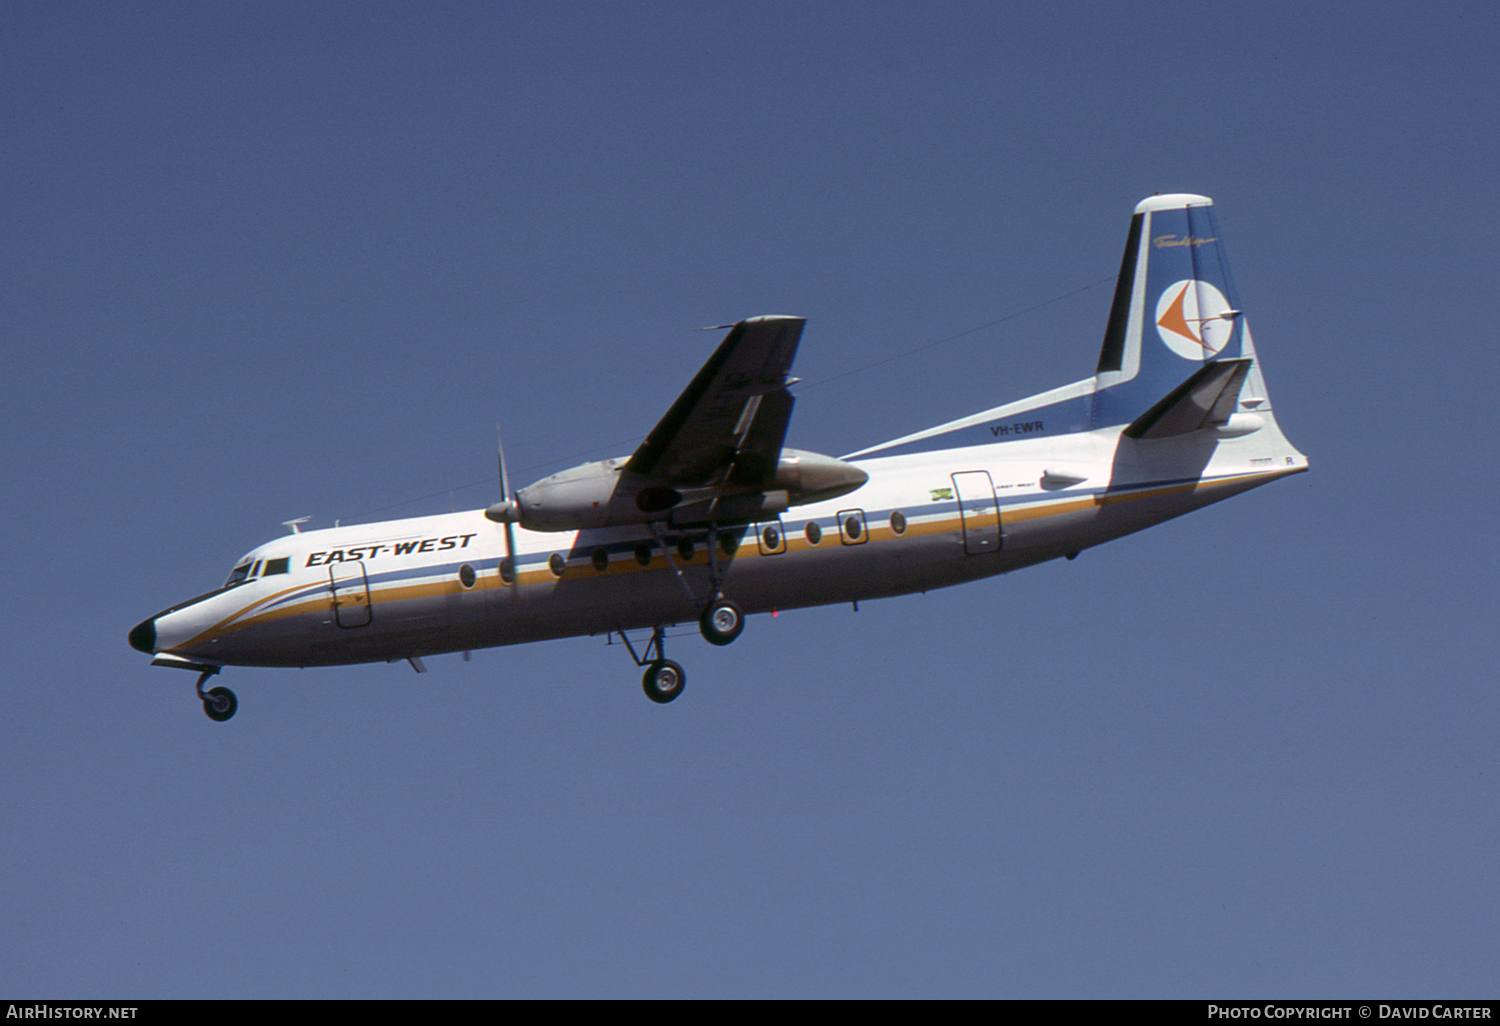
[[218, 703]]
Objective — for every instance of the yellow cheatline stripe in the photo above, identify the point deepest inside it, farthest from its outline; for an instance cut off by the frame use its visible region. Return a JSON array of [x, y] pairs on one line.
[[222, 625], [491, 581], [1049, 509]]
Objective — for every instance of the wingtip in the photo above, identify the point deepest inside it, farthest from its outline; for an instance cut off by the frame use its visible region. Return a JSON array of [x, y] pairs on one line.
[[762, 319]]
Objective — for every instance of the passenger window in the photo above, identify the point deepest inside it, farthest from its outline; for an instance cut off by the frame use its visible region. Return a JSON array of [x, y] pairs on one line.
[[852, 527]]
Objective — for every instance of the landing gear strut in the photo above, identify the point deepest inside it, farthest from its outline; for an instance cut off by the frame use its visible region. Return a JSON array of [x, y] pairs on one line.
[[219, 703], [721, 621]]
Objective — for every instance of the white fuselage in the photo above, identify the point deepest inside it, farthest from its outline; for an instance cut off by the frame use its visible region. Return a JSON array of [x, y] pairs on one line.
[[427, 585]]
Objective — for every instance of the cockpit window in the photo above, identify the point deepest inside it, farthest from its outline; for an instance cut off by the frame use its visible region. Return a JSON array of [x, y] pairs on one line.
[[277, 566], [238, 575]]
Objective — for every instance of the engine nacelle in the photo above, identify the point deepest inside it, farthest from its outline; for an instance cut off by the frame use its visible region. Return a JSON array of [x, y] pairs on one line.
[[605, 494], [813, 477]]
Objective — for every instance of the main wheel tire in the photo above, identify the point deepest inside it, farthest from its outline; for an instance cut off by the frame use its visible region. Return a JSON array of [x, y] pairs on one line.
[[220, 704], [663, 681], [721, 622]]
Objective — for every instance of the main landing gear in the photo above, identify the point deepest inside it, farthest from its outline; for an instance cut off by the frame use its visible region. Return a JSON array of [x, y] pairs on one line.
[[664, 679], [720, 623], [219, 703]]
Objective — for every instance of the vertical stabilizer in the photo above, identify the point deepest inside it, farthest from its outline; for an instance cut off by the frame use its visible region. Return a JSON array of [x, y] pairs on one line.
[[1177, 357], [1175, 310]]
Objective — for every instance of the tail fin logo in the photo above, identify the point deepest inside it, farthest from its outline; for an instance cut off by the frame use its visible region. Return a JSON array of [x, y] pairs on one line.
[[1190, 319]]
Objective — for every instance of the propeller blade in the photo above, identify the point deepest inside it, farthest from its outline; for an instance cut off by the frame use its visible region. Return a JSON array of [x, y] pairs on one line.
[[504, 473], [505, 512]]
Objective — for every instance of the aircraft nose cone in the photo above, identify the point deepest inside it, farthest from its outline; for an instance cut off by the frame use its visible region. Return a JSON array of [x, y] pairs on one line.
[[143, 636]]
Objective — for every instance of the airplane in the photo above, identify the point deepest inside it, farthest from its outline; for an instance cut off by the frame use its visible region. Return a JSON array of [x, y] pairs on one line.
[[713, 518]]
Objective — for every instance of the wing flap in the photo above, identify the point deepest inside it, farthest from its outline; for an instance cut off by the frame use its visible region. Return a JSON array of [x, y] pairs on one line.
[[760, 448]]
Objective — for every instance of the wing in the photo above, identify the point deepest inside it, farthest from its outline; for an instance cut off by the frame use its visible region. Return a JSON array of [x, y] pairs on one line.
[[715, 458], [729, 424]]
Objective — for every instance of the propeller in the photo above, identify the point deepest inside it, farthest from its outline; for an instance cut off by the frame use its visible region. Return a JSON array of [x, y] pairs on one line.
[[505, 512]]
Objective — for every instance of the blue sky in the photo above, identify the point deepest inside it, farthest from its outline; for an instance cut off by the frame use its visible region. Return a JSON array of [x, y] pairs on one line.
[[274, 260]]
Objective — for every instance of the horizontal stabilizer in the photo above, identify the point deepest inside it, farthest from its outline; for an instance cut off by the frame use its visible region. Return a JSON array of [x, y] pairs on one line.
[[1206, 399]]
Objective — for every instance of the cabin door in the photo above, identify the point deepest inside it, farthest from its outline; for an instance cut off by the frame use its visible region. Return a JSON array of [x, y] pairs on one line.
[[351, 593], [979, 509]]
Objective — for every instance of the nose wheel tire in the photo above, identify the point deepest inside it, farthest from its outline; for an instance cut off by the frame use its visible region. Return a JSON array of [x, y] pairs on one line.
[[663, 681], [721, 622], [220, 704]]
